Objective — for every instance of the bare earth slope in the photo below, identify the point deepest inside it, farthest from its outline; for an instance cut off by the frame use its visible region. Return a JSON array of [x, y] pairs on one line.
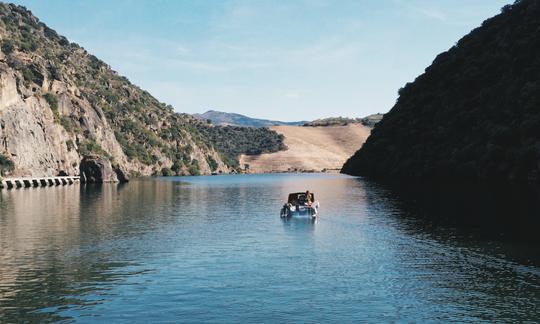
[[310, 149]]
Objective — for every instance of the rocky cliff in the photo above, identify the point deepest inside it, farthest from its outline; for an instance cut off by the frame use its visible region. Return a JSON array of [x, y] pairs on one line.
[[473, 115], [58, 104]]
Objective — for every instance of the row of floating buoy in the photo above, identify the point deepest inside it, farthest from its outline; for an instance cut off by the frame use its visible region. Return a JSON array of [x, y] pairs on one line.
[[28, 182]]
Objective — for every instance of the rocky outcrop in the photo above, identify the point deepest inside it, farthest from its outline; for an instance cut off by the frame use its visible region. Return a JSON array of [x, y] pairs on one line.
[[58, 104], [121, 175], [95, 169], [28, 134]]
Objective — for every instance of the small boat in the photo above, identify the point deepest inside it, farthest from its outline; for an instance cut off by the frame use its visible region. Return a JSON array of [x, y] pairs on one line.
[[298, 206]]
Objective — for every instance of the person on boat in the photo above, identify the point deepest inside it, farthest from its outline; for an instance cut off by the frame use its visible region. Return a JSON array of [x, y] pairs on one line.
[[308, 200]]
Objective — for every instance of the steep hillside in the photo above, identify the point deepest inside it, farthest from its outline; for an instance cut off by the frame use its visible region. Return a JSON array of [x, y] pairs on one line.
[[310, 149], [59, 103], [223, 118], [473, 114]]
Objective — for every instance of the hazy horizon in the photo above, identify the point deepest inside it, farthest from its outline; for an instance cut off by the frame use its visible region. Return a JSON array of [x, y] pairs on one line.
[[298, 60]]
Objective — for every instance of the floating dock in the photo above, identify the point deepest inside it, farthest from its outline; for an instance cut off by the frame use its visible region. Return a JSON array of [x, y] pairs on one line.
[[28, 182]]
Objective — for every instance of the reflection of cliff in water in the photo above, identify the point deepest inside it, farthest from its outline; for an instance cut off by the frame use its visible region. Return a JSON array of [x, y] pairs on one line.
[[455, 254], [80, 227], [481, 212]]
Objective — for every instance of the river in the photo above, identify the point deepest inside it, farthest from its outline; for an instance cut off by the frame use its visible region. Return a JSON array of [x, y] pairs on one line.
[[214, 249]]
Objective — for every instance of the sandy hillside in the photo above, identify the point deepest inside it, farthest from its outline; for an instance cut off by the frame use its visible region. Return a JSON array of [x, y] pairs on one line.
[[310, 148]]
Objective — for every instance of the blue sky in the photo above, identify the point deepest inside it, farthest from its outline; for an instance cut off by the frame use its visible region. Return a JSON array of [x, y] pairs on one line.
[[278, 59]]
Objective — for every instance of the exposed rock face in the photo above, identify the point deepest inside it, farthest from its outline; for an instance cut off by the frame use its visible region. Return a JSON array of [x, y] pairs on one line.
[[58, 104], [33, 139], [94, 169], [120, 174]]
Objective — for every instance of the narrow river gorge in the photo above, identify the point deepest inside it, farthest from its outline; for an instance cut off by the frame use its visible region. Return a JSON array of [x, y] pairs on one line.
[[214, 249]]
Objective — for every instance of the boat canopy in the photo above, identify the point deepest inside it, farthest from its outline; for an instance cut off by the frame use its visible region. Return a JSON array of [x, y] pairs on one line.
[[299, 198]]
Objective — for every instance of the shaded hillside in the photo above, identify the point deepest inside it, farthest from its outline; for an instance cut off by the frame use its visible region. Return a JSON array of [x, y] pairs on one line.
[[473, 114], [223, 118], [58, 103]]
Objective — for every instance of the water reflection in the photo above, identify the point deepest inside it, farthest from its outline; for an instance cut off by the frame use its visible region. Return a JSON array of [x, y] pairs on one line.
[[54, 245], [470, 214], [214, 249], [295, 224]]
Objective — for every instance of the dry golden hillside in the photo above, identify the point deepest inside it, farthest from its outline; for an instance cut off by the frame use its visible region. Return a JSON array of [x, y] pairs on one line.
[[310, 149]]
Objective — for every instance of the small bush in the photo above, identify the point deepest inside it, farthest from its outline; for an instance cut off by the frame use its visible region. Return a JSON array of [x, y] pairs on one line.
[[177, 167], [28, 46], [89, 146], [52, 101], [31, 74], [212, 163], [7, 46], [70, 145], [194, 168], [166, 172], [67, 123]]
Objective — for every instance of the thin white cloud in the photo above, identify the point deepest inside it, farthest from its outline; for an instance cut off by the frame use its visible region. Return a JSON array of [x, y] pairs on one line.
[[433, 13], [424, 9], [292, 95]]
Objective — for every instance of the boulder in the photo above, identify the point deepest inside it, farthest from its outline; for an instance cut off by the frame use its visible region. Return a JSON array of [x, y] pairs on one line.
[[95, 169]]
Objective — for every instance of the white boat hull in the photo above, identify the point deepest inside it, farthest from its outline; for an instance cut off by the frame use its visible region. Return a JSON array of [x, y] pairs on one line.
[[300, 211]]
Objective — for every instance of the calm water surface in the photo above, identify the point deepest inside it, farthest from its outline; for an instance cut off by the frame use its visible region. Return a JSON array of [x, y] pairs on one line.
[[213, 249]]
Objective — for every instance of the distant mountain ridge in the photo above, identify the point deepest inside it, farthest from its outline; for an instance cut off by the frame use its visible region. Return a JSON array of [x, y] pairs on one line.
[[232, 119]]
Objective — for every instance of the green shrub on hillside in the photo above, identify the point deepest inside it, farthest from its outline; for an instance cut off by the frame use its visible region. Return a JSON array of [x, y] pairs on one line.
[[89, 146], [166, 172], [70, 146], [7, 46], [28, 46], [52, 101], [31, 74], [68, 124], [212, 163], [194, 168]]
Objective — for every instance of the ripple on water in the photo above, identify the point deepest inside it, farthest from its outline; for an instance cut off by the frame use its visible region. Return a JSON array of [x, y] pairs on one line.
[[213, 249]]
